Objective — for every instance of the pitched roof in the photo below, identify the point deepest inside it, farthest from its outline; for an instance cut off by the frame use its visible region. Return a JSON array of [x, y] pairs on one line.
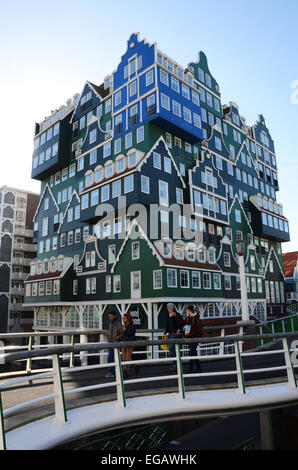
[[290, 261]]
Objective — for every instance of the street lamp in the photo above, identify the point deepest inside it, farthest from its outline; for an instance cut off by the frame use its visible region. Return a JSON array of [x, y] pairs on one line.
[[240, 246]]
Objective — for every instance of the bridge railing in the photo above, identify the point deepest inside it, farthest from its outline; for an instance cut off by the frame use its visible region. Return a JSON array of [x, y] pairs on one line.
[[13, 342], [57, 373], [286, 324]]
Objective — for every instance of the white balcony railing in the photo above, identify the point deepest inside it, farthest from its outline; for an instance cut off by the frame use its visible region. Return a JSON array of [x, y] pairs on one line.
[[25, 246]]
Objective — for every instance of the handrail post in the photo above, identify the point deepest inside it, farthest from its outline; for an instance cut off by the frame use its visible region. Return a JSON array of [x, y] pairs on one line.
[[29, 360], [222, 344], [2, 428], [261, 332], [290, 370], [180, 372], [71, 358], [239, 367], [60, 408], [119, 379]]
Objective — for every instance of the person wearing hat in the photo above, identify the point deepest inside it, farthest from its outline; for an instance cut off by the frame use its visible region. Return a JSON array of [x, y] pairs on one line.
[[172, 330], [193, 329]]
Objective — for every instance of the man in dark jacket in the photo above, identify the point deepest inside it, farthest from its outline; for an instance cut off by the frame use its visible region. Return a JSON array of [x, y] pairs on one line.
[[115, 330], [193, 329], [174, 323]]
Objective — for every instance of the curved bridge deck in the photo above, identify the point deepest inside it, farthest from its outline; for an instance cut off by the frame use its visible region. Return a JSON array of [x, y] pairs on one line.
[[66, 403]]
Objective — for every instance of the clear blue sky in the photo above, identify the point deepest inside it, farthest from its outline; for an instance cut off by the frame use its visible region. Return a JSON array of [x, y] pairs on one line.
[[50, 48]]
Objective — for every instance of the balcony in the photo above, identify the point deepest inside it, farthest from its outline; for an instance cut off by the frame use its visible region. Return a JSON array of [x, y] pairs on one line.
[[17, 291], [22, 261], [18, 307], [23, 232], [18, 276], [25, 247]]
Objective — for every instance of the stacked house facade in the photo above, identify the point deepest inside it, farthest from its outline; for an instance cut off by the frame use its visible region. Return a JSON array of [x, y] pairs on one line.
[[147, 182], [17, 251]]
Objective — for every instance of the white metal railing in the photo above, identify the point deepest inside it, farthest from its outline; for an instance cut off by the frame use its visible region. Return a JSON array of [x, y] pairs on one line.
[[285, 324], [59, 396], [25, 246]]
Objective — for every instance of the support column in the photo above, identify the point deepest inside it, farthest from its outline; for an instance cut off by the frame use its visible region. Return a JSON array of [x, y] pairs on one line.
[[266, 426]]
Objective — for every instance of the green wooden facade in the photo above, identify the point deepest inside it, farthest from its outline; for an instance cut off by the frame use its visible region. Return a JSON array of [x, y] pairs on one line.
[[126, 138]]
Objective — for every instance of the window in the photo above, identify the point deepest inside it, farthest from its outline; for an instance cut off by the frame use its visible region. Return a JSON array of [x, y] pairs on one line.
[[163, 193], [207, 280], [85, 201], [186, 114], [108, 284], [238, 216], [197, 120], [116, 189], [157, 279], [145, 184], [176, 108], [227, 282], [128, 184], [167, 165], [140, 134], [156, 160], [128, 140], [133, 88], [227, 259], [111, 254], [172, 277], [92, 136], [105, 193], [184, 278], [164, 77], [107, 150], [185, 91], [117, 146], [149, 77], [218, 146], [165, 102], [135, 250], [117, 283], [216, 281], [179, 196], [94, 197], [196, 280], [45, 224], [132, 160]]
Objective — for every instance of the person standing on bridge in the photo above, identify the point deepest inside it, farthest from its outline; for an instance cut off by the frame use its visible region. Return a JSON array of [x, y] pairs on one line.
[[193, 329], [173, 325], [115, 330], [128, 334]]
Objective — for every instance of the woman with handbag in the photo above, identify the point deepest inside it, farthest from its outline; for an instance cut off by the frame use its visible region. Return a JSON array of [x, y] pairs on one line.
[[193, 329], [128, 334]]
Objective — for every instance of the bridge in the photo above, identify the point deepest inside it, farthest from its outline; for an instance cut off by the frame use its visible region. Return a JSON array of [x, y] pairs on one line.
[[64, 398]]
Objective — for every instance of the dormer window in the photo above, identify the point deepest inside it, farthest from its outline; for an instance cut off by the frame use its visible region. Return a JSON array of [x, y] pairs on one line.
[[120, 165], [109, 170], [98, 174], [179, 251], [132, 160], [88, 178], [202, 254], [167, 250], [60, 264]]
